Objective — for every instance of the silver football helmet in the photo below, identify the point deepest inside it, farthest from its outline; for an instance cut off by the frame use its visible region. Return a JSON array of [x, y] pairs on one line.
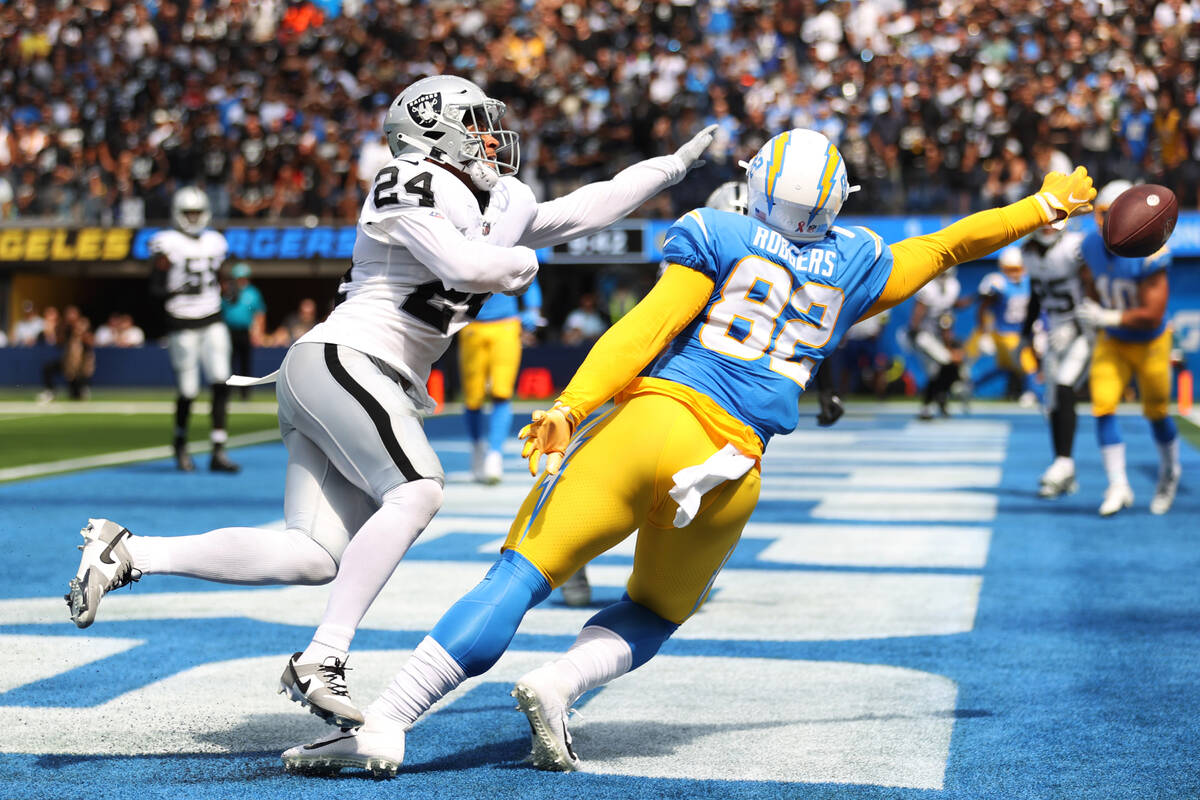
[[730, 196], [190, 210], [445, 118]]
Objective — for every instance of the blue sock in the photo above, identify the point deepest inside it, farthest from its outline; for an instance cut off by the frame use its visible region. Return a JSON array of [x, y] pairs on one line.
[[499, 424], [1107, 431], [478, 628], [1164, 430], [644, 630], [474, 420]]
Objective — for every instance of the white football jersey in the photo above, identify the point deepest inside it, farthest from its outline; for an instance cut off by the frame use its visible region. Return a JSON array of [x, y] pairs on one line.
[[1054, 276], [426, 256], [193, 291], [425, 259], [939, 297]]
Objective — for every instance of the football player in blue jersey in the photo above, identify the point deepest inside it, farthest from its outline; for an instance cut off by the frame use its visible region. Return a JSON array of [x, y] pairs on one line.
[[704, 370], [1003, 299], [489, 355], [1132, 341]]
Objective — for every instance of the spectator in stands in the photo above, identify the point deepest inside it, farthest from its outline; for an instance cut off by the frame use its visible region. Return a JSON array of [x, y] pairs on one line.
[[28, 330], [296, 324], [246, 317], [584, 325], [51, 326], [119, 331]]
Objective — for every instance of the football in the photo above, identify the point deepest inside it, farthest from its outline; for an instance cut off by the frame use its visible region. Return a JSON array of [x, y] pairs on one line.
[[1141, 220]]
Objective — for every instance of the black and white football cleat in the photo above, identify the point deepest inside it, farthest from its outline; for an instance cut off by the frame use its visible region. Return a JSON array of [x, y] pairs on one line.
[[104, 566], [321, 688], [377, 747], [220, 461]]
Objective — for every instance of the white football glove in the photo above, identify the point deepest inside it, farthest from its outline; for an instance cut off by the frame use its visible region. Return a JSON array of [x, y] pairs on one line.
[[1091, 314], [1061, 337], [690, 153]]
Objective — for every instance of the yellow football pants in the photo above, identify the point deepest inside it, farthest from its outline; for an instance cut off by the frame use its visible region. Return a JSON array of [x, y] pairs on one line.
[[614, 481], [1011, 356], [489, 354], [1114, 362]]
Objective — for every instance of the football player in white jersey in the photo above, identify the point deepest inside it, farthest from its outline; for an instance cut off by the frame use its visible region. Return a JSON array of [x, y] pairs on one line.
[[930, 330], [185, 263], [445, 223], [1052, 260]]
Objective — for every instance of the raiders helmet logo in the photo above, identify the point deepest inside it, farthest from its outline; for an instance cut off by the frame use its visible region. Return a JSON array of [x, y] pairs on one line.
[[426, 109]]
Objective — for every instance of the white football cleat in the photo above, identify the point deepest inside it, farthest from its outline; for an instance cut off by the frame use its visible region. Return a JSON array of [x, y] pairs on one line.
[[493, 467], [322, 689], [1058, 479], [1027, 400], [1164, 493], [1116, 498], [545, 706], [478, 454], [576, 590], [377, 747], [104, 566]]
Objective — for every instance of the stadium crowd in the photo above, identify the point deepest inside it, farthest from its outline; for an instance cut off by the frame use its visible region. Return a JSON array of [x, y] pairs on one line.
[[274, 107]]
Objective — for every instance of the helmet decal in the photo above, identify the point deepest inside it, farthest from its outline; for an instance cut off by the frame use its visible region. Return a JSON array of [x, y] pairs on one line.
[[778, 152], [425, 109], [833, 160]]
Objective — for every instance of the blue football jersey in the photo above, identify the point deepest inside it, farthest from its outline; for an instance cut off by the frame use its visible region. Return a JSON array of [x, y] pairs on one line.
[[1012, 300], [1117, 279], [777, 309], [503, 306]]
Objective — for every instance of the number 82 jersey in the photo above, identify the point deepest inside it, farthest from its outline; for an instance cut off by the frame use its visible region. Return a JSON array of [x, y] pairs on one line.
[[778, 308]]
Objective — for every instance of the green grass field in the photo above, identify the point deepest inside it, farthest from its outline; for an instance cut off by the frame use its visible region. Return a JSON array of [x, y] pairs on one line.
[[39, 438]]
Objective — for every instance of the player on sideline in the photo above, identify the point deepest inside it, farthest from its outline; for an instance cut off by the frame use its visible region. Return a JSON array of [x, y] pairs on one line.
[[489, 355], [746, 309], [1053, 259], [445, 222], [184, 268], [1132, 341]]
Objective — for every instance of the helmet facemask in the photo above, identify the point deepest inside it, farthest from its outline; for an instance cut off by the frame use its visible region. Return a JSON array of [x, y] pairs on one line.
[[450, 120]]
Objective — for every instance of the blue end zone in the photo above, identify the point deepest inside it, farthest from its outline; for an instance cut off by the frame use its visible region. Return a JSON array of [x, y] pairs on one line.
[[1078, 680]]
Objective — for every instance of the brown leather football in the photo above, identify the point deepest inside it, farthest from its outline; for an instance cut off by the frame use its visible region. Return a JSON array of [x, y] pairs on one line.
[[1141, 220]]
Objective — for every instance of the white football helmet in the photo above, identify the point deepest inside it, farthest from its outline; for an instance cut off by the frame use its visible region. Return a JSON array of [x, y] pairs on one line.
[[797, 184], [1011, 258], [1111, 191], [729, 196], [190, 210], [445, 118]]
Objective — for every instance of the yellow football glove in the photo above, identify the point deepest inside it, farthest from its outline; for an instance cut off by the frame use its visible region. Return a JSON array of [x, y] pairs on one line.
[[1064, 196], [548, 434]]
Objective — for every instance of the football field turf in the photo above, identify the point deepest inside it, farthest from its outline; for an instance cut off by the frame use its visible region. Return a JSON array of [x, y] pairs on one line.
[[902, 619]]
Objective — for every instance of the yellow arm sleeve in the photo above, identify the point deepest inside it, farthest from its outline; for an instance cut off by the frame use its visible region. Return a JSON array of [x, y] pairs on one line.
[[628, 346], [917, 260]]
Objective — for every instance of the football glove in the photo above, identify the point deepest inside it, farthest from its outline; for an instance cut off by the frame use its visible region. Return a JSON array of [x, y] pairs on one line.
[[548, 433], [690, 153], [1091, 314], [1064, 196]]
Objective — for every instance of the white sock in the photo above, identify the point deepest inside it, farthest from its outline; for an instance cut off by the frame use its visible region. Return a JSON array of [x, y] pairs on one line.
[[376, 550], [235, 555], [429, 675], [1168, 456], [329, 640], [219, 436], [597, 657], [1114, 463], [1065, 462]]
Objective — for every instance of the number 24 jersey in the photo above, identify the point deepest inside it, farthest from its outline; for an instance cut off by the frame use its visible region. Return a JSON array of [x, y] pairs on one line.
[[399, 304], [778, 308]]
